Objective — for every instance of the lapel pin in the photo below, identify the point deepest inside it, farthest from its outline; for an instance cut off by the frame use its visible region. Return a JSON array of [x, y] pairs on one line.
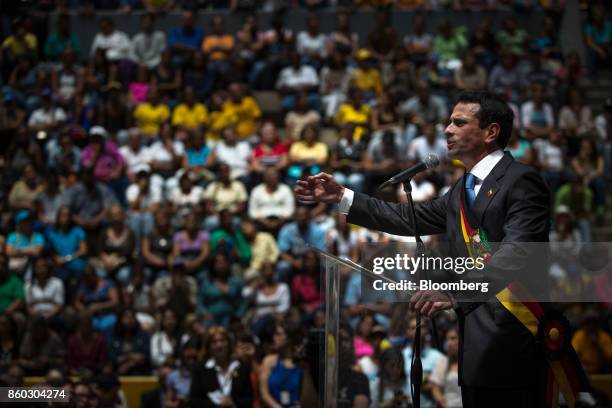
[[490, 193]]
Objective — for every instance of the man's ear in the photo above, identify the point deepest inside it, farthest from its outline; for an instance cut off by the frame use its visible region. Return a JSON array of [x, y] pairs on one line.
[[492, 133]]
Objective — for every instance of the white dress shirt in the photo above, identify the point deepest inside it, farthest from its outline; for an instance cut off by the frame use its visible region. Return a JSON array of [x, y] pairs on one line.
[[480, 170]]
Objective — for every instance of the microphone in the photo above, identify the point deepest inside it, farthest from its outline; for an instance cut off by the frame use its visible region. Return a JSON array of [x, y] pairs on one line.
[[428, 162]]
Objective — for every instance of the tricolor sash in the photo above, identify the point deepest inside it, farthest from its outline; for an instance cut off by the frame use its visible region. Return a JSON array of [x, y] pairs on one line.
[[550, 328]]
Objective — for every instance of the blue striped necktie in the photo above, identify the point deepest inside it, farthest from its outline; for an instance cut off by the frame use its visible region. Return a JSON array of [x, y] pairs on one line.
[[470, 182]]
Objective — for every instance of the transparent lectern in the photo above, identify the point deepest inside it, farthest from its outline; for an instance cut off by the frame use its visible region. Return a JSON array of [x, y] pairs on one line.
[[331, 346]]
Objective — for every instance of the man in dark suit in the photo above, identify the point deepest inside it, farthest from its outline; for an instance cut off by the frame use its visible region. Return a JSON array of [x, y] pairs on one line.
[[500, 363]]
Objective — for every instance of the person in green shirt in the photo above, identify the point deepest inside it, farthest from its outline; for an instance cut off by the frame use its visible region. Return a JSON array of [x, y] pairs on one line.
[[230, 240], [61, 39], [579, 199], [11, 289]]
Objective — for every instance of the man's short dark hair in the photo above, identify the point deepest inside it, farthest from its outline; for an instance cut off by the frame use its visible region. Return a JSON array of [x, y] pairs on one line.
[[493, 109]]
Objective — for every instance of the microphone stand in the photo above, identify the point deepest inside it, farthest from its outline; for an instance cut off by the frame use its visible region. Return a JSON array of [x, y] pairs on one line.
[[416, 365]]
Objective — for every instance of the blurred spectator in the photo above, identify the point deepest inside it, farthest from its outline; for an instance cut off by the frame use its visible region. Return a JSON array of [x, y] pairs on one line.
[[218, 118], [150, 115], [156, 246], [383, 157], [47, 119], [346, 159], [229, 240], [353, 387], [143, 198], [280, 378], [148, 45], [342, 240], [166, 155], [156, 397], [506, 78], [575, 118], [103, 156], [295, 79], [598, 33], [61, 39], [64, 157], [308, 155], [217, 47], [249, 43], [366, 76], [86, 349], [444, 377], [334, 83], [186, 196], [393, 386], [471, 76], [385, 116], [11, 290], [178, 382], [511, 37], [483, 43], [565, 244], [270, 152], [579, 199], [593, 345], [198, 157], [176, 291], [342, 41], [191, 244], [130, 346], [165, 341], [12, 117], [234, 153], [68, 249], [423, 107], [44, 294], [245, 109], [603, 126], [426, 144], [167, 78], [116, 44], [552, 159], [24, 192], [422, 189], [301, 116], [306, 284], [277, 41], [115, 113], [40, 348], [419, 44], [589, 165], [108, 391], [139, 87], [311, 43], [117, 245], [220, 298], [383, 41], [448, 45], [20, 43], [190, 114], [100, 298], [220, 381], [9, 342], [186, 39], [67, 78], [271, 203], [138, 296], [82, 395], [266, 296], [24, 244], [263, 248], [356, 113], [537, 114], [362, 341], [49, 200]]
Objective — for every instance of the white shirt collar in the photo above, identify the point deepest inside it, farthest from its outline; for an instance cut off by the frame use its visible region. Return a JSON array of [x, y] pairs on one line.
[[482, 169]]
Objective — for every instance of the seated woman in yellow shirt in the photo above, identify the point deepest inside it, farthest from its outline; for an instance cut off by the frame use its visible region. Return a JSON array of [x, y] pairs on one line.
[[150, 115], [244, 108], [218, 118], [307, 155], [189, 114], [366, 77], [354, 112]]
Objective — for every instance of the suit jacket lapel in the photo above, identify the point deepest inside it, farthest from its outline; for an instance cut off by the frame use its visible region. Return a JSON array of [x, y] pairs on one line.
[[489, 187]]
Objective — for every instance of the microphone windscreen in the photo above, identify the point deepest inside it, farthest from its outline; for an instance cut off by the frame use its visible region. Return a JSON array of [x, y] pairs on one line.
[[431, 160]]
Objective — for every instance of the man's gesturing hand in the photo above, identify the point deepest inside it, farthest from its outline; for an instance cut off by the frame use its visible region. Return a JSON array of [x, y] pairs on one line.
[[428, 302], [320, 187]]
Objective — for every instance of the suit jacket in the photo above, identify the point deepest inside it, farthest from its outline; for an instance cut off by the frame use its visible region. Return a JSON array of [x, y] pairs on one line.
[[204, 380], [513, 207]]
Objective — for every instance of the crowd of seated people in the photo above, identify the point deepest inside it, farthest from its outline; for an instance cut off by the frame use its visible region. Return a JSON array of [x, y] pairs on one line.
[[148, 224]]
